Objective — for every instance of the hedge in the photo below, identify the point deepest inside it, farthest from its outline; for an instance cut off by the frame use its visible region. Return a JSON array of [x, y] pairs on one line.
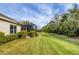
[[8, 38], [2, 34], [22, 34]]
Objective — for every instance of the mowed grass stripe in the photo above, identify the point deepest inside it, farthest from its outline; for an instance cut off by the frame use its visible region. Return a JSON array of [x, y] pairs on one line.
[[46, 48], [33, 47], [17, 47], [74, 49], [67, 46], [59, 49], [14, 48]]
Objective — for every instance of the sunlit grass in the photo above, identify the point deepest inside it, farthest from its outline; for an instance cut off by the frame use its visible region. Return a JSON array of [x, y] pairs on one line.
[[44, 44]]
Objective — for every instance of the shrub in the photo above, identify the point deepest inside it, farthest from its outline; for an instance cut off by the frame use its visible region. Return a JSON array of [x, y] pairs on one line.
[[32, 33], [2, 34], [2, 37], [8, 38], [22, 34], [11, 37], [3, 40]]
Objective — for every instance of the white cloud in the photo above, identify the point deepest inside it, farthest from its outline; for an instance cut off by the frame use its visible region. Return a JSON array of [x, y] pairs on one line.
[[45, 9], [40, 19], [45, 15]]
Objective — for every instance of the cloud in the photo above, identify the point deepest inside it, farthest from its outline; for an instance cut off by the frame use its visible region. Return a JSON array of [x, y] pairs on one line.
[[40, 19], [46, 14], [45, 9], [39, 14]]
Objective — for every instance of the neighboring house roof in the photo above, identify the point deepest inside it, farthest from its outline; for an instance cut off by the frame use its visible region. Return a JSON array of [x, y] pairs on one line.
[[8, 19]]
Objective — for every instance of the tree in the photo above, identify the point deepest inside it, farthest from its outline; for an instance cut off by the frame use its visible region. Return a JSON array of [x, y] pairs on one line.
[[24, 22], [68, 24]]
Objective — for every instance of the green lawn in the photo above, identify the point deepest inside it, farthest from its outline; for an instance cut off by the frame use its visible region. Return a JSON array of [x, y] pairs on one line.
[[44, 44]]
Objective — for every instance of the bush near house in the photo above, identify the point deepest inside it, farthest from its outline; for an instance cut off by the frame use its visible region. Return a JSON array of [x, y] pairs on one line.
[[10, 37], [6, 38], [22, 34], [2, 37], [31, 33], [2, 34]]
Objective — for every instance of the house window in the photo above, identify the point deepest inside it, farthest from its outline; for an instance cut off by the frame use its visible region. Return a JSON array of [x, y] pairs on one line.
[[12, 29]]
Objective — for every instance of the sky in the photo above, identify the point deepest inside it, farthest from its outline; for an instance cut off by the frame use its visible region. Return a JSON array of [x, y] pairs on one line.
[[40, 13]]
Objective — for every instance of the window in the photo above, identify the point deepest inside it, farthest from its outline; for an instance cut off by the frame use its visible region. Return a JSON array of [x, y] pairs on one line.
[[12, 29]]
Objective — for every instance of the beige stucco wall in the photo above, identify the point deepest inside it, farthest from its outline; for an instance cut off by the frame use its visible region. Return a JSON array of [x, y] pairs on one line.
[[18, 28], [5, 27]]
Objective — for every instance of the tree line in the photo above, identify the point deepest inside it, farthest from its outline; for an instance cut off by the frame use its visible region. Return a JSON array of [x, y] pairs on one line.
[[66, 24]]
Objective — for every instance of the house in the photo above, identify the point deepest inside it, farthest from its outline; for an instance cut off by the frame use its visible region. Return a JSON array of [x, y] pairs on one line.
[[29, 27], [8, 25]]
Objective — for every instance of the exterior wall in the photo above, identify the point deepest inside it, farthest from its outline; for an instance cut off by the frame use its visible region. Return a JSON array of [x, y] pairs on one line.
[[5, 27], [18, 28]]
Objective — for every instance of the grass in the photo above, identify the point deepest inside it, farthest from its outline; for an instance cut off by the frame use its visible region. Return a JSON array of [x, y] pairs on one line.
[[44, 44]]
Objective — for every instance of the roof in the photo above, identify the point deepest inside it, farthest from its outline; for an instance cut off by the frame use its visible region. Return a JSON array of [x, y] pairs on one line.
[[28, 24], [6, 18]]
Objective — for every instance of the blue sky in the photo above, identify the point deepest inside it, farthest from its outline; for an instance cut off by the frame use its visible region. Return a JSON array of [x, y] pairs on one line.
[[39, 14]]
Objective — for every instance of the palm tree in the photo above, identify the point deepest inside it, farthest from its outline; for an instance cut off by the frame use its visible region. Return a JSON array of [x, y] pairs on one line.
[[24, 22]]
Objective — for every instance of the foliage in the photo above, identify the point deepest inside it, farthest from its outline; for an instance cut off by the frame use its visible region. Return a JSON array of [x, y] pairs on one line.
[[8, 38], [3, 40], [32, 33], [22, 34], [24, 22], [68, 24], [2, 34], [11, 37], [32, 28]]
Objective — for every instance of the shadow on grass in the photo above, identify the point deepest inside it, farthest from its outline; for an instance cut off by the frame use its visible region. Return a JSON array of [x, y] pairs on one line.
[[62, 37]]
